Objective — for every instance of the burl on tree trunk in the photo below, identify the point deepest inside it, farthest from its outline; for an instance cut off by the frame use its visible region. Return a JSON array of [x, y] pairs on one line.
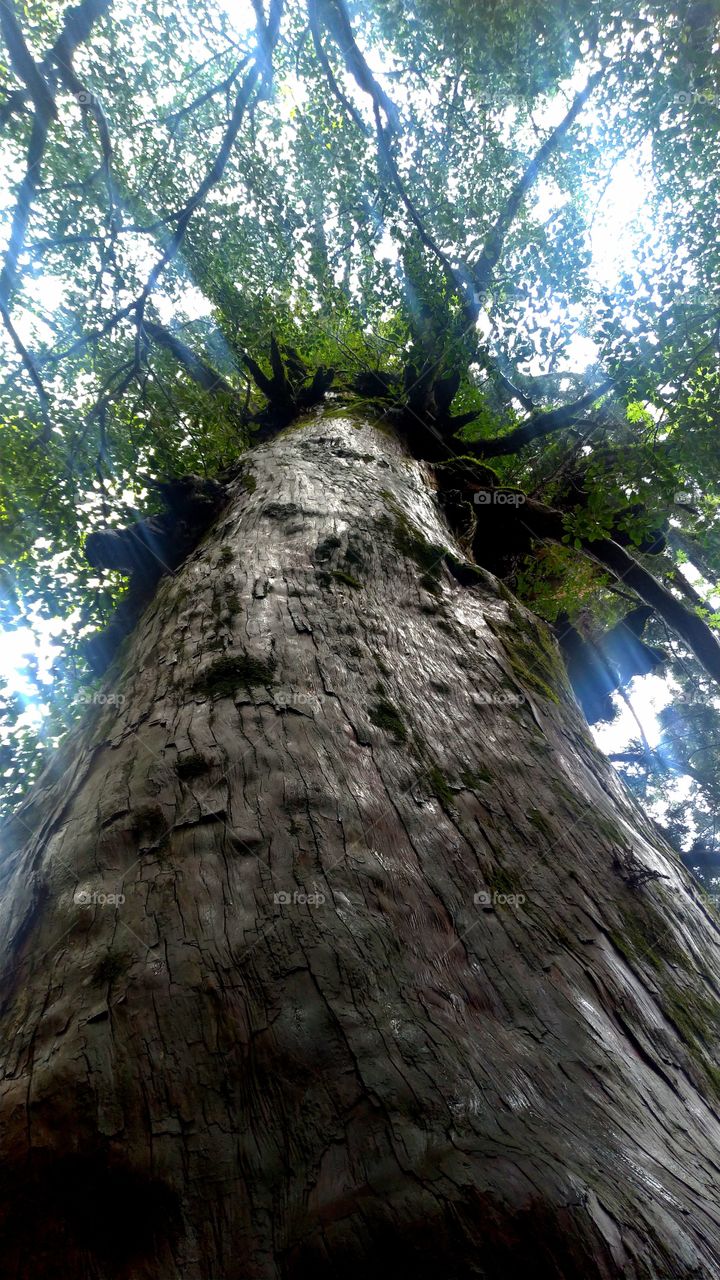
[[333, 947]]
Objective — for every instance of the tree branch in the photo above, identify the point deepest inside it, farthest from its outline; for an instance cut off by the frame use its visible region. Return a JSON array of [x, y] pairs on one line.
[[183, 217], [316, 32], [77, 25], [32, 372], [547, 522], [539, 425], [199, 371], [25, 65], [335, 16], [481, 272]]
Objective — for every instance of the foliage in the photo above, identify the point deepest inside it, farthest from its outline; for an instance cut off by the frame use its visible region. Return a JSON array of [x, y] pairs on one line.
[[431, 200]]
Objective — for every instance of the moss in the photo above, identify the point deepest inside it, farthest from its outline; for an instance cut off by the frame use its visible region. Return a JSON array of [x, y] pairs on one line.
[[232, 602], [636, 934], [610, 830], [386, 716], [347, 579], [538, 820], [500, 880], [440, 788], [697, 1018], [467, 468], [410, 542], [528, 656], [568, 797], [191, 767], [474, 778], [227, 674], [629, 948], [467, 574], [248, 481], [226, 555]]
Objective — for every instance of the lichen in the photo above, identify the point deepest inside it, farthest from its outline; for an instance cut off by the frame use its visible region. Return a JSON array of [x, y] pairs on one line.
[[696, 1017]]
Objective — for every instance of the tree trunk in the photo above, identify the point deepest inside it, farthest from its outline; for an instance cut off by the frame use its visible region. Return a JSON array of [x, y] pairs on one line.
[[333, 945]]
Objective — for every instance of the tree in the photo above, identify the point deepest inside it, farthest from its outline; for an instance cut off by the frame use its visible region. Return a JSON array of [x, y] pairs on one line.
[[332, 939]]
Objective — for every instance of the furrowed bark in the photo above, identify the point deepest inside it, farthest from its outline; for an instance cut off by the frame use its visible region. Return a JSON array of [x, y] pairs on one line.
[[393, 976]]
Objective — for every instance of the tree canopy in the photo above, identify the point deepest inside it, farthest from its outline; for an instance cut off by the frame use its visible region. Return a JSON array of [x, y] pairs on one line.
[[520, 197]]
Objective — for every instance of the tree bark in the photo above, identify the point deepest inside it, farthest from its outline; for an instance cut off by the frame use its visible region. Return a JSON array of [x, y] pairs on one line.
[[398, 978]]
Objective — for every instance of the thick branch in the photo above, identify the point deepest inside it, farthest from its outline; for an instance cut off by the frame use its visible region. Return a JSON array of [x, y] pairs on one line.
[[539, 425], [77, 24], [482, 270], [316, 32], [183, 217], [23, 205], [546, 522], [335, 16], [24, 64], [199, 371], [32, 372]]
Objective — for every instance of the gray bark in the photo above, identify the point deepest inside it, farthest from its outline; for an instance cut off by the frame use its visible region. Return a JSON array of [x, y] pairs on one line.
[[401, 980]]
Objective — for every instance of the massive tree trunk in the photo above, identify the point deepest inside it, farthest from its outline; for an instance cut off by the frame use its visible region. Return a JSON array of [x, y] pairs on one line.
[[333, 945]]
